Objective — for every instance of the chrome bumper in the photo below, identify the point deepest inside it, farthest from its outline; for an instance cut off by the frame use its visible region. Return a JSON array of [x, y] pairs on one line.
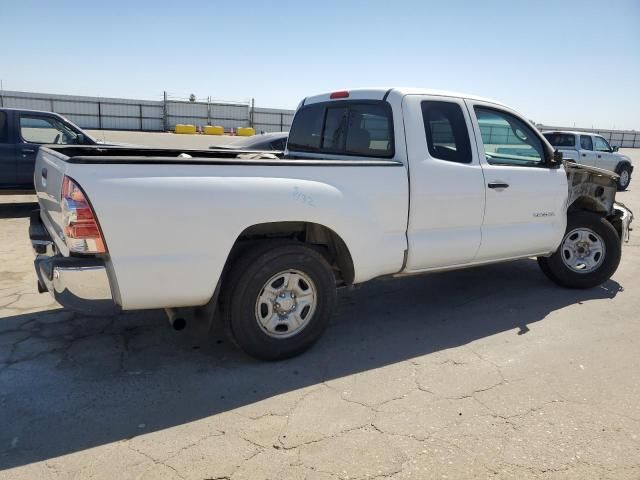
[[78, 283]]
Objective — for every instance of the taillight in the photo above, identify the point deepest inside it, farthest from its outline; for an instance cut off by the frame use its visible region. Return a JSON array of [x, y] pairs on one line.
[[81, 230]]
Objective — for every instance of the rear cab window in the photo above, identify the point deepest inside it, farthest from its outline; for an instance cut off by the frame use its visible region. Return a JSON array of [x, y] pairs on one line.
[[561, 139], [351, 127]]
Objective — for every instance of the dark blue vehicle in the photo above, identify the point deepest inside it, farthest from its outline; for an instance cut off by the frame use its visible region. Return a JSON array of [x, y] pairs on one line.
[[21, 134]]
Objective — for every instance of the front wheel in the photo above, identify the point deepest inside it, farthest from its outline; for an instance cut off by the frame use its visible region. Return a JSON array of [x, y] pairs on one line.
[[278, 299], [588, 255], [624, 177]]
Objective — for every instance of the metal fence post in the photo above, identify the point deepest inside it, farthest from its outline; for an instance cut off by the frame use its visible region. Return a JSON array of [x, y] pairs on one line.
[[99, 115], [252, 111], [281, 121], [208, 110], [164, 111], [140, 112]]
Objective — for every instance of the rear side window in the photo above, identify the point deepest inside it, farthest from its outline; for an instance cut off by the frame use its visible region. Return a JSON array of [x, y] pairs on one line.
[[561, 139], [344, 128], [586, 143], [446, 131], [4, 130]]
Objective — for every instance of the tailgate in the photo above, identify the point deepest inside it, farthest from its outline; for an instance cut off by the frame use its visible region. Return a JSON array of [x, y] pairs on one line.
[[49, 172]]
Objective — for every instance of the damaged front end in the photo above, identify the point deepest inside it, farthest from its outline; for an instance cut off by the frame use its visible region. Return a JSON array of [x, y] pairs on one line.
[[594, 189]]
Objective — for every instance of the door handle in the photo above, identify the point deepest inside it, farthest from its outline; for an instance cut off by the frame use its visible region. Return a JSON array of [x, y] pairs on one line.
[[498, 185], [28, 150], [599, 156], [44, 173], [584, 154]]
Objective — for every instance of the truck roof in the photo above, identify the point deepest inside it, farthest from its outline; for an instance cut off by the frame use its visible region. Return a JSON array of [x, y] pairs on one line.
[[572, 132], [379, 93], [28, 110]]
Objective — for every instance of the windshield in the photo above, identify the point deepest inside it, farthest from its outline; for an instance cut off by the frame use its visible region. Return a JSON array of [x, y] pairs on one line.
[[561, 139]]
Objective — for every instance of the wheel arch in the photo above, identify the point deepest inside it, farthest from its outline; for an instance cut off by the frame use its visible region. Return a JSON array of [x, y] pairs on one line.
[[622, 164], [328, 242], [587, 203], [325, 239]]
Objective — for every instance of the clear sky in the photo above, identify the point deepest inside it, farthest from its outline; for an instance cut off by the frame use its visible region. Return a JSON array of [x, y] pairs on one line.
[[560, 62]]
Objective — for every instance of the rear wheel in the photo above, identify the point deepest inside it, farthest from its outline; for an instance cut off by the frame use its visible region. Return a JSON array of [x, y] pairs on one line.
[[278, 299], [588, 255], [624, 179]]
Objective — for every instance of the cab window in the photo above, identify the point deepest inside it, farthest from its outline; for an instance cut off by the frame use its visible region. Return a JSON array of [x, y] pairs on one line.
[[356, 128], [446, 131], [508, 140], [601, 145], [45, 130], [585, 142], [561, 139]]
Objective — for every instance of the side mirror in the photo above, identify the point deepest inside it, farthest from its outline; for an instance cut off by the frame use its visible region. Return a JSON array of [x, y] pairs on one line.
[[80, 140], [614, 148], [557, 157]]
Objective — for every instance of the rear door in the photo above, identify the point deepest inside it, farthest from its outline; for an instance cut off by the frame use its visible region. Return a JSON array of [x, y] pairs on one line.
[[525, 200], [447, 185], [587, 155], [7, 153]]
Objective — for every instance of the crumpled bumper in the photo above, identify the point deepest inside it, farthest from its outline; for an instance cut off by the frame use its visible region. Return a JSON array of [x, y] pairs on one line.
[[626, 217]]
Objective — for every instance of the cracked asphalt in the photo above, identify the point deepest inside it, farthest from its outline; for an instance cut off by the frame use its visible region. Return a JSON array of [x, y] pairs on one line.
[[492, 372]]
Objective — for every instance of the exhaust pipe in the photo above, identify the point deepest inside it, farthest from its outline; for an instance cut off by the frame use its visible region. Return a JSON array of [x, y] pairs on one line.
[[176, 321]]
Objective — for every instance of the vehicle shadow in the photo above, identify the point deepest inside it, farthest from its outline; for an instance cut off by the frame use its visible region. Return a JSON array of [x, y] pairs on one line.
[[17, 210], [77, 382]]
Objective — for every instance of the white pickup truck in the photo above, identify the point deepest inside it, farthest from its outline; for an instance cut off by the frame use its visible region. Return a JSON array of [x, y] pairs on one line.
[[373, 183], [589, 149]]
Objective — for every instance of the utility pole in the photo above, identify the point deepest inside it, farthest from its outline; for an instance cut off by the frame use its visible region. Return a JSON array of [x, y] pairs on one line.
[[1, 90]]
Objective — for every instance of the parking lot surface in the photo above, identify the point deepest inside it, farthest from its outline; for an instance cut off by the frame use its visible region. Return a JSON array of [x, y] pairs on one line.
[[492, 372]]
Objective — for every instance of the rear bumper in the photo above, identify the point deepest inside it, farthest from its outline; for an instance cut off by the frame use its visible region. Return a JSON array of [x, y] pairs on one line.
[[78, 283]]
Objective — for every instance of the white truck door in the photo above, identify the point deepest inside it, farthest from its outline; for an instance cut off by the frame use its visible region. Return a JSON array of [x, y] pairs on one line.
[[525, 199], [447, 185], [587, 155]]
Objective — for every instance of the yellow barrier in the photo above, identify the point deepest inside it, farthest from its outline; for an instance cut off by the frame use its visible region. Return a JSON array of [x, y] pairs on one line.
[[245, 131], [190, 129], [213, 130]]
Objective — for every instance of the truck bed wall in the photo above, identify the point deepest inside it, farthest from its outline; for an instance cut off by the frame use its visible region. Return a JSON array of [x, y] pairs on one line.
[[169, 228]]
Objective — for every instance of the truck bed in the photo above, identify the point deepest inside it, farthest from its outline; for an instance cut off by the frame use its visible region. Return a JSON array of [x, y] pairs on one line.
[[160, 212]]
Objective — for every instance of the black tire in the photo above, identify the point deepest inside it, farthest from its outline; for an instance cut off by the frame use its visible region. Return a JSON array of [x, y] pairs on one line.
[[621, 184], [245, 283], [555, 268]]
